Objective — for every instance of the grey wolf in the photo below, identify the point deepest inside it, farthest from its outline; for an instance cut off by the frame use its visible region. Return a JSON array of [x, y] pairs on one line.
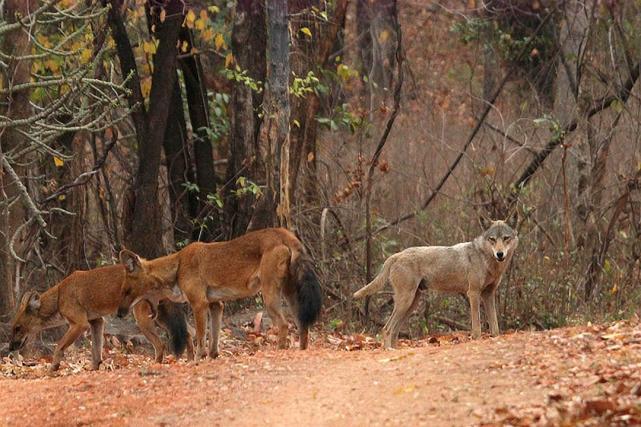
[[472, 268]]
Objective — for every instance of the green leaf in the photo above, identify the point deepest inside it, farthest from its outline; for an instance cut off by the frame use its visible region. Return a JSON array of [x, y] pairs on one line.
[[617, 105]]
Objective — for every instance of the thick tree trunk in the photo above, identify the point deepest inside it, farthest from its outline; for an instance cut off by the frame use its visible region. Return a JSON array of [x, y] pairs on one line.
[[145, 231], [16, 44], [184, 205], [248, 47], [128, 68], [199, 117], [275, 209]]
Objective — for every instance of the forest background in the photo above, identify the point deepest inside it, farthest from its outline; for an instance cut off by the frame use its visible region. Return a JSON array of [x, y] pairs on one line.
[[365, 126]]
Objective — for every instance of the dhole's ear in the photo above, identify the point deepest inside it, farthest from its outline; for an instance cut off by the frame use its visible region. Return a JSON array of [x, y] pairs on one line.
[[131, 261], [34, 302]]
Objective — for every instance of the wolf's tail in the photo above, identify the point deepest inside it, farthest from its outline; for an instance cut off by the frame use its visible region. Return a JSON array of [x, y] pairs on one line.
[[172, 316], [306, 289], [379, 281]]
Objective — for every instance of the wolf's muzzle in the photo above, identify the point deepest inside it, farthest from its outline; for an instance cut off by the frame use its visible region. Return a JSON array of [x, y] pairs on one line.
[[500, 256]]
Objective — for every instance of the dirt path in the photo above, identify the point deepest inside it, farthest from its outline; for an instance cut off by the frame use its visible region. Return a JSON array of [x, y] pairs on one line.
[[516, 378]]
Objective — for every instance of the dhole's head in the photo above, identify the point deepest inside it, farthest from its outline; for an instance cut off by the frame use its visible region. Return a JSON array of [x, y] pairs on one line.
[[138, 281], [27, 321], [500, 239]]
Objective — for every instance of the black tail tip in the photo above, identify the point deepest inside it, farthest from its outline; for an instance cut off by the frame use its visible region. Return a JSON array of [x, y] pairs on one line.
[[173, 316], [310, 299]]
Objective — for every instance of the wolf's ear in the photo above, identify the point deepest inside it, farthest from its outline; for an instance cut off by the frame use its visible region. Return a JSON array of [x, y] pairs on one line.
[[131, 261], [485, 222], [34, 302], [512, 218]]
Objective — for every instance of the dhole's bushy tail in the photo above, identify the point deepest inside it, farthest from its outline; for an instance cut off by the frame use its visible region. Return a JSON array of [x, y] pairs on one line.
[[379, 281], [172, 317], [306, 289]]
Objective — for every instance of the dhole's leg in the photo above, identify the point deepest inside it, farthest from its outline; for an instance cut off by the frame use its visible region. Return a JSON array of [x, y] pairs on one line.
[[97, 339], [489, 302], [271, 297], [274, 268], [303, 332], [475, 314], [200, 319], [142, 313], [190, 341], [215, 321], [72, 334], [304, 337]]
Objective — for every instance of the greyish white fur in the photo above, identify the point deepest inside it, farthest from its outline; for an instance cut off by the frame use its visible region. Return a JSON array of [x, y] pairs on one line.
[[472, 268]]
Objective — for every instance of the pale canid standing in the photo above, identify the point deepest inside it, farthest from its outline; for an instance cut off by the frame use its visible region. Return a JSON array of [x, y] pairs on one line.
[[471, 268]]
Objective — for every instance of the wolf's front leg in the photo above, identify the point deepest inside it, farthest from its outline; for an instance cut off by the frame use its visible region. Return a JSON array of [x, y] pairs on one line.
[[489, 302], [475, 305]]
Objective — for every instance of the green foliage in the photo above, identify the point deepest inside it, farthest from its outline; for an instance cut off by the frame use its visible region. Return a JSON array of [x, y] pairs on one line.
[[335, 324], [241, 76], [301, 86], [470, 30], [219, 119], [555, 127], [509, 37], [244, 186], [182, 243], [342, 118]]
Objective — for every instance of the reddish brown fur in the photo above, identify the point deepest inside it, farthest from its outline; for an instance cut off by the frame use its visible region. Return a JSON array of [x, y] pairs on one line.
[[210, 273], [81, 299]]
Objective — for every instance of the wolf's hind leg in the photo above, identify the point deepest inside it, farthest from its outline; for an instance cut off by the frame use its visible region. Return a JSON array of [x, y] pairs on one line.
[[417, 298], [405, 296], [97, 339], [402, 309], [215, 321]]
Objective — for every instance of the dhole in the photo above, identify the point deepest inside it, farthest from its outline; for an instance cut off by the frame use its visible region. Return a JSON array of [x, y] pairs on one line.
[[271, 260], [82, 299]]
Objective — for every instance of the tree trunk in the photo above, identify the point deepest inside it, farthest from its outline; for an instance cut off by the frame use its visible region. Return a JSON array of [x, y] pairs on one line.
[[143, 228], [184, 204], [16, 44], [274, 209], [248, 47], [377, 42], [312, 54], [127, 60], [199, 116]]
